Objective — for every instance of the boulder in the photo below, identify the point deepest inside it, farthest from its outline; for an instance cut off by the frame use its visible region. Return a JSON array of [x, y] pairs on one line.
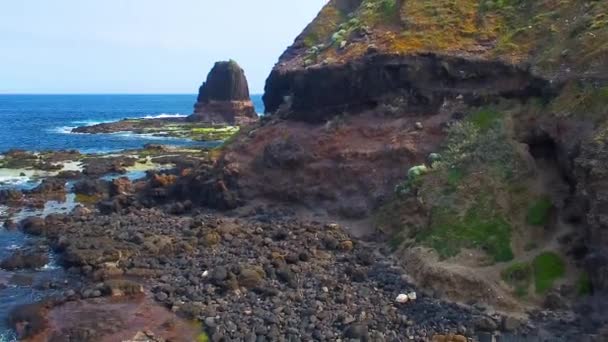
[[120, 288], [30, 259], [33, 225], [121, 186], [224, 97], [28, 320], [50, 186]]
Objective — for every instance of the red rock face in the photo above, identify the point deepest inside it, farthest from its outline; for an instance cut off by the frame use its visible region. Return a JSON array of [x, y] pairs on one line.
[[224, 97], [348, 169]]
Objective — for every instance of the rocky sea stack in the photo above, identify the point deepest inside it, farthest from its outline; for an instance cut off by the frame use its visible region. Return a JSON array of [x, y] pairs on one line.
[[224, 97]]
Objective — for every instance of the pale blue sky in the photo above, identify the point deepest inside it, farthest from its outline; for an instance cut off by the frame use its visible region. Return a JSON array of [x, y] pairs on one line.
[[141, 46]]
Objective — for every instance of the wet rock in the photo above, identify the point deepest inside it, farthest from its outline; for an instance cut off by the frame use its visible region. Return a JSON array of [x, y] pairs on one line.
[[50, 186], [92, 187], [33, 225], [95, 167], [28, 259], [121, 186], [9, 196], [120, 288], [28, 320]]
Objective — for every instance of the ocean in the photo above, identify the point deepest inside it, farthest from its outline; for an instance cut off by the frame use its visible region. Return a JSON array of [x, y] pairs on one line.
[[44, 122]]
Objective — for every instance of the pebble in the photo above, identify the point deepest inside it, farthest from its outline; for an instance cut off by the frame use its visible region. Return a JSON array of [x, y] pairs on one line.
[[402, 298]]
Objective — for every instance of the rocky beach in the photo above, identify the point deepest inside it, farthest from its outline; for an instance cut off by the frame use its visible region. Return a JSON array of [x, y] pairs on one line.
[[423, 171]]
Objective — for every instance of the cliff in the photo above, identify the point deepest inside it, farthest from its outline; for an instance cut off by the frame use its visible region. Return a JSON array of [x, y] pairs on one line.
[[473, 133], [224, 97]]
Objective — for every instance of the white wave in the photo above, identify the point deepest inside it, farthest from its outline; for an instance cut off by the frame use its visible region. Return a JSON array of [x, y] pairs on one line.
[[14, 180], [13, 247], [91, 122], [62, 130], [146, 136], [165, 116]]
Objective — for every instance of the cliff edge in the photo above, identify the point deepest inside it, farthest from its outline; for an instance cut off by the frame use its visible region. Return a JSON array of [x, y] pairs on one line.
[[471, 133]]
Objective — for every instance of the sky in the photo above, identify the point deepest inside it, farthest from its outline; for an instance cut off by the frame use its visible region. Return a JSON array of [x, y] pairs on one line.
[[141, 46]]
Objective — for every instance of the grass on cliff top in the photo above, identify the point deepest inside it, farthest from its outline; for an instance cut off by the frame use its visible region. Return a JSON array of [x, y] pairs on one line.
[[548, 267], [547, 33]]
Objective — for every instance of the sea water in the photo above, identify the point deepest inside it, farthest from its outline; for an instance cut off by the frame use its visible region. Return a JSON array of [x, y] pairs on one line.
[[44, 122]]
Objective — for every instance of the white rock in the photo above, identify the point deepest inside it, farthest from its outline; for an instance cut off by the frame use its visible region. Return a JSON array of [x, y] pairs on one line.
[[325, 289], [205, 274], [411, 296], [402, 298]]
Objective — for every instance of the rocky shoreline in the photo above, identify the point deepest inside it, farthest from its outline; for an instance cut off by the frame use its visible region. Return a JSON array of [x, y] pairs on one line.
[[255, 273]]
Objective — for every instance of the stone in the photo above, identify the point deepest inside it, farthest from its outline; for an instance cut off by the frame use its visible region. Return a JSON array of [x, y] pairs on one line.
[[224, 97], [485, 323], [33, 225], [346, 246], [402, 299], [251, 277], [510, 324], [212, 238], [120, 288], [25, 260], [357, 331]]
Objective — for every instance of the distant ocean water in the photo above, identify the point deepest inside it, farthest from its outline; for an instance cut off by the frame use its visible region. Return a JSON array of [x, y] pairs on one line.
[[43, 122]]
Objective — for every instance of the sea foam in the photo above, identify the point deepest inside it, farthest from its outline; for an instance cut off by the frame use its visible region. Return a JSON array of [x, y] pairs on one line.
[[165, 116]]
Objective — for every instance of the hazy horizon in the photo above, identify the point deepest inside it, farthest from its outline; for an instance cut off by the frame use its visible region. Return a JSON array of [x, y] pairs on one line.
[[140, 47]]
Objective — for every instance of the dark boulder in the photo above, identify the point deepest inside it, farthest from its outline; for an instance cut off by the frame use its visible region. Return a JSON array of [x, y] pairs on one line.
[[224, 97], [30, 259], [28, 320], [92, 187], [50, 186], [33, 225], [10, 196]]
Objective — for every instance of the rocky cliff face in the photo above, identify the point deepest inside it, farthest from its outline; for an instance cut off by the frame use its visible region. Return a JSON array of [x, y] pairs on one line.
[[224, 97], [497, 109]]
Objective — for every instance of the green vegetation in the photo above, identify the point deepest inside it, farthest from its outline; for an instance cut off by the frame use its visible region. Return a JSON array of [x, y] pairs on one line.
[[545, 269], [545, 34], [213, 133], [582, 100], [519, 276], [481, 227], [539, 211], [548, 267], [583, 285], [485, 118], [202, 337], [455, 176], [87, 199]]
